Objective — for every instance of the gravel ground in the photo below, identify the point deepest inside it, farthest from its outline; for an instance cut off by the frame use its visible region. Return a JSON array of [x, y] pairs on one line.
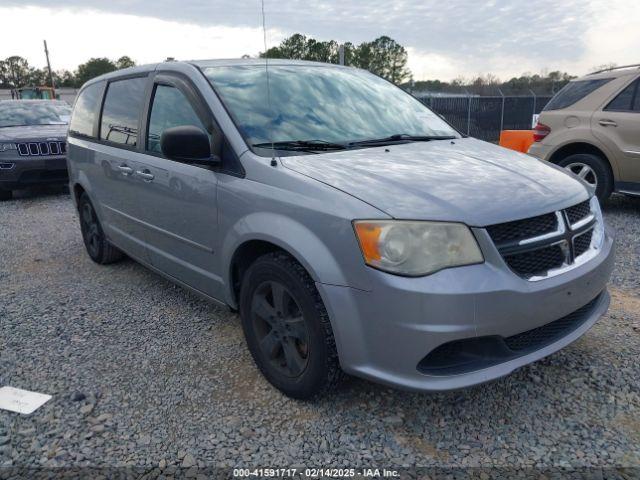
[[144, 373]]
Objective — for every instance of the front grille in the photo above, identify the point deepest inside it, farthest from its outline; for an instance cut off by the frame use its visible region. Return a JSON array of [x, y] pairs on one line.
[[38, 149], [520, 229], [578, 212], [582, 243], [472, 354], [533, 247], [536, 262]]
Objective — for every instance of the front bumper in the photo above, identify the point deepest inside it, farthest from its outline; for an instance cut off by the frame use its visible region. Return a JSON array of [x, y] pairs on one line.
[[28, 171], [385, 333]]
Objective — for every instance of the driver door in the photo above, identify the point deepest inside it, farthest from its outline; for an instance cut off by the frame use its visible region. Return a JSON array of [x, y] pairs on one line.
[[178, 201]]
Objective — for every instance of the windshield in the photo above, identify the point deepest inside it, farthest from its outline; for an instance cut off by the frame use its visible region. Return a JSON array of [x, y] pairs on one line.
[[320, 103], [33, 113]]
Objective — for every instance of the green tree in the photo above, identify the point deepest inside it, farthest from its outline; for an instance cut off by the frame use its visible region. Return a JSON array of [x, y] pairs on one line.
[[322, 51], [125, 62], [38, 76], [384, 56], [17, 71], [93, 68], [64, 78], [349, 53]]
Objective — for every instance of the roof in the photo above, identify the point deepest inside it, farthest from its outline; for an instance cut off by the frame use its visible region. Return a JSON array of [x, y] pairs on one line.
[[208, 63], [260, 62], [615, 72], [119, 73]]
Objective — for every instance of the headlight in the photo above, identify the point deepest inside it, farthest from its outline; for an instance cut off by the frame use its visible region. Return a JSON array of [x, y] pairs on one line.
[[416, 248], [7, 146]]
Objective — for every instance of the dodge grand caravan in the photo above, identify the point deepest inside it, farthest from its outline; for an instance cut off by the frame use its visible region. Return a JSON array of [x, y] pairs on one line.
[[353, 229]]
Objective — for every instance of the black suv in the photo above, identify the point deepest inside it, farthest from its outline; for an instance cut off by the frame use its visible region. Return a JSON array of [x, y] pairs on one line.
[[32, 144]]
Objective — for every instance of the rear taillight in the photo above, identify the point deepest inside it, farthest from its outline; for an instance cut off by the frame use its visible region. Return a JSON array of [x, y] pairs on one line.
[[540, 131]]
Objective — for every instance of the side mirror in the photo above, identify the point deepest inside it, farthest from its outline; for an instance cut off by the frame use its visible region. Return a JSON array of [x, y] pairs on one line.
[[187, 143]]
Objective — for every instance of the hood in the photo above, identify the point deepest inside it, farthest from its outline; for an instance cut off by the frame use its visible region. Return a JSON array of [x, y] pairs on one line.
[[33, 132], [464, 180]]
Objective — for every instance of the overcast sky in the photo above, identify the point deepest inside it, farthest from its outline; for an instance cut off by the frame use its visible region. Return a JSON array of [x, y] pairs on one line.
[[445, 38]]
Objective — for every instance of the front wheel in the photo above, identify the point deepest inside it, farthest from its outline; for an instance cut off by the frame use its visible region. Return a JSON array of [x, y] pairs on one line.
[[287, 327], [5, 195], [97, 245], [593, 170]]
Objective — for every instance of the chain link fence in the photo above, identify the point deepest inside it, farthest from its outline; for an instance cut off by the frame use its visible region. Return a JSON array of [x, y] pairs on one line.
[[484, 117]]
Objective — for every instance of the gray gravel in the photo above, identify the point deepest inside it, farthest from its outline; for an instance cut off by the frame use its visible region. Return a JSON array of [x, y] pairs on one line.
[[144, 373]]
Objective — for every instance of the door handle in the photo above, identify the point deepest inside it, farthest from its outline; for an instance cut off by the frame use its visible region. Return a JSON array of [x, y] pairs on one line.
[[145, 174], [608, 123], [125, 169]]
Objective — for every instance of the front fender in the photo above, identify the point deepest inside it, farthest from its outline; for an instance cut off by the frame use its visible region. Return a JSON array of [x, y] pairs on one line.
[[302, 243]]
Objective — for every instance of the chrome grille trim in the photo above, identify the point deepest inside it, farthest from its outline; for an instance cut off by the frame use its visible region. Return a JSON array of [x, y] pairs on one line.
[[561, 230], [581, 223], [38, 149]]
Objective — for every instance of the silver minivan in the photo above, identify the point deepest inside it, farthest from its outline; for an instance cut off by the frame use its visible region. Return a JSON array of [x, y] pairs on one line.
[[352, 228]]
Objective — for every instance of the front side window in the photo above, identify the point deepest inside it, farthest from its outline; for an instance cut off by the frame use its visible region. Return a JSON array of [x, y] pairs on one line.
[[26, 112], [573, 92], [627, 99], [319, 103], [122, 104], [170, 108]]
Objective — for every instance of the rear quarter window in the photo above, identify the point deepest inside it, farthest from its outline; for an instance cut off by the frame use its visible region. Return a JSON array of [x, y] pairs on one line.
[[84, 112], [575, 91], [627, 100]]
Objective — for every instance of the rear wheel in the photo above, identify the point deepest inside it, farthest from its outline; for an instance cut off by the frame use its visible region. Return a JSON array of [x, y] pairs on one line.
[[97, 245], [593, 170], [5, 195], [287, 327]]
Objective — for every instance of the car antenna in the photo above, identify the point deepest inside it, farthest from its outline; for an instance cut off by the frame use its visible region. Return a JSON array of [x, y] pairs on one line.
[[274, 163]]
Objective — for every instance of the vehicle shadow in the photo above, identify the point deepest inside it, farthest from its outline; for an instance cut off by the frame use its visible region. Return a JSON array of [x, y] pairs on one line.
[[41, 192], [621, 204]]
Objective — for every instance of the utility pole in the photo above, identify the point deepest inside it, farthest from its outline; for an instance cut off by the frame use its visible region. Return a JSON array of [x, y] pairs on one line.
[[341, 54], [46, 52]]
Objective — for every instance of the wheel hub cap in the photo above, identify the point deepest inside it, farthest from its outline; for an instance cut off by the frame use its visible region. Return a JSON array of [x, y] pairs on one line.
[[584, 171]]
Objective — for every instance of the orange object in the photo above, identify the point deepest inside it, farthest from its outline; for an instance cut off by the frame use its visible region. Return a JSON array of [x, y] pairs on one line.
[[368, 235], [518, 140]]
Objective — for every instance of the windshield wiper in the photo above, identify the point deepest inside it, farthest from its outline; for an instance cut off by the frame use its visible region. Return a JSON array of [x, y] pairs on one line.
[[302, 145], [400, 137]]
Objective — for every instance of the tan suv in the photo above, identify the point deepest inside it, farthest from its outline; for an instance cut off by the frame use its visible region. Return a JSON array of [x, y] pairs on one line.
[[592, 127]]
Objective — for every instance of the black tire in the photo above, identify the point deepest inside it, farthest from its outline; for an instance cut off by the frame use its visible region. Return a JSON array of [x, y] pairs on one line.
[[5, 195], [600, 171], [309, 341], [100, 250]]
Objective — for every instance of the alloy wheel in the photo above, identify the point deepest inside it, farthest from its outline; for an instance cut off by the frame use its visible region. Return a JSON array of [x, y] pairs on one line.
[[585, 172], [280, 328], [90, 229]]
